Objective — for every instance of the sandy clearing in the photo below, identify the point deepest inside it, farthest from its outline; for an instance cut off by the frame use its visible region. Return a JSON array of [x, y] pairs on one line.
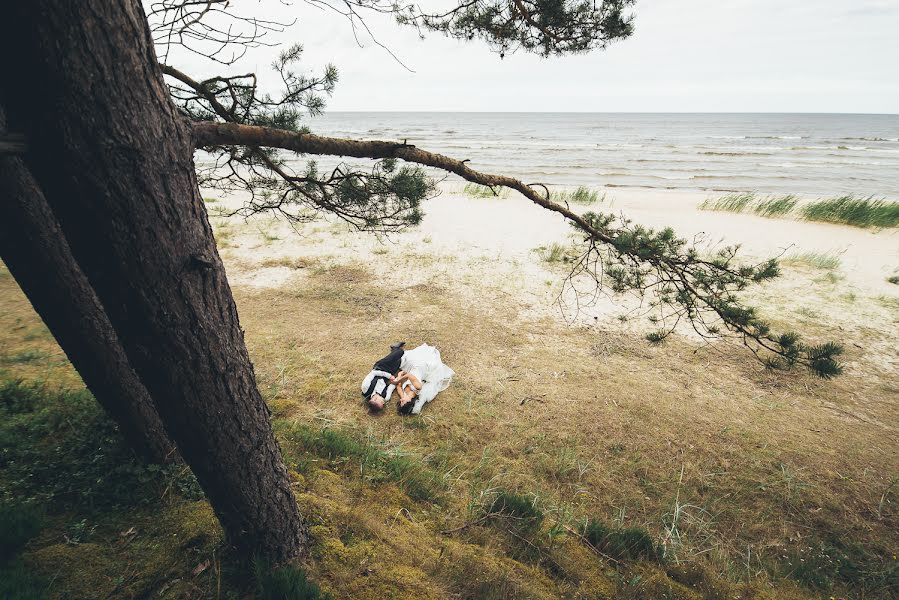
[[485, 251]]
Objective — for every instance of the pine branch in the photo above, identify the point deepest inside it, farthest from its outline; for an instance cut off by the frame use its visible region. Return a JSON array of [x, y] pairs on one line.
[[627, 256]]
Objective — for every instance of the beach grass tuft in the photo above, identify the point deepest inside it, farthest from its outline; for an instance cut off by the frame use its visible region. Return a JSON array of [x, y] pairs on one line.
[[826, 261], [729, 203], [555, 253], [844, 210], [849, 210], [582, 195], [483, 191], [775, 206]]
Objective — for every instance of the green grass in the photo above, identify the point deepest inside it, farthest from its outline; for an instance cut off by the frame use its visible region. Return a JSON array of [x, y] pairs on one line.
[[25, 356], [823, 565], [844, 210], [859, 212], [729, 203], [483, 191], [826, 261], [362, 455], [521, 511], [770, 206], [582, 195], [48, 460], [775, 206]]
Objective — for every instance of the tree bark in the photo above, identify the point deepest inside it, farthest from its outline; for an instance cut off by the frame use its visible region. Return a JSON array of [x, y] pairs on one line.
[[114, 160], [36, 252]]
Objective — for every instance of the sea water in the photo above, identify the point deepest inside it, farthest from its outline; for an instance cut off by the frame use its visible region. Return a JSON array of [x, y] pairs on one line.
[[813, 155]]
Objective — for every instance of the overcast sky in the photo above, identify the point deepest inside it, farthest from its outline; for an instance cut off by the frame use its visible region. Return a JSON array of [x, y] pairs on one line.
[[685, 56]]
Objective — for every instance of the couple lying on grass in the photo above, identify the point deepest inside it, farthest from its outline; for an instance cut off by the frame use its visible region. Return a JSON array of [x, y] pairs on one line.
[[417, 376]]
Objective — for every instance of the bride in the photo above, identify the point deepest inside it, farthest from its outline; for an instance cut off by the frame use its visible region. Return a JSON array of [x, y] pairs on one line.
[[421, 377]]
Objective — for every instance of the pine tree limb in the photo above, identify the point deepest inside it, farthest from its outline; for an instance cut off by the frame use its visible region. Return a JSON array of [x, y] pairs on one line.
[[629, 257]]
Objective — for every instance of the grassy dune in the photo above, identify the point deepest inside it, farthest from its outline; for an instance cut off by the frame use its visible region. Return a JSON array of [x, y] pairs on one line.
[[844, 210], [561, 462]]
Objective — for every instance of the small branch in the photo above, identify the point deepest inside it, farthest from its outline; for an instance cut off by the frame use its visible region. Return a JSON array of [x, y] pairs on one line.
[[467, 525]]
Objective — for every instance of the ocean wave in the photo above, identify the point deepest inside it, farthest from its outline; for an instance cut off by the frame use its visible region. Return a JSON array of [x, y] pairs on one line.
[[777, 137], [766, 177], [710, 153], [870, 139]]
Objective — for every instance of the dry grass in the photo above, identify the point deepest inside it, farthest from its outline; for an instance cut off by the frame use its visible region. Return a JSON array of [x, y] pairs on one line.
[[291, 262], [742, 475], [710, 454]]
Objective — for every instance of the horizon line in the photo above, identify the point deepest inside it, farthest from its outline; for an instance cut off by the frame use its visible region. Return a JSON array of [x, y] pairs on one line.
[[617, 112]]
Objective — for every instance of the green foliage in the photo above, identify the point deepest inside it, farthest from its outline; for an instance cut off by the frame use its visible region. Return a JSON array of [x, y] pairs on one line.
[[285, 583], [521, 511], [630, 543], [657, 337], [681, 285], [341, 449], [545, 27], [59, 449], [848, 210], [383, 198], [894, 279]]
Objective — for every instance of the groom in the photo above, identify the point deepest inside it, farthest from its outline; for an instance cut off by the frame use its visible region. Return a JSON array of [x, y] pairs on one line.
[[378, 385]]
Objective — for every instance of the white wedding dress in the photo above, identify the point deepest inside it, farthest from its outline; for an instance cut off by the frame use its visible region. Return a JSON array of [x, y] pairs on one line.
[[424, 362]]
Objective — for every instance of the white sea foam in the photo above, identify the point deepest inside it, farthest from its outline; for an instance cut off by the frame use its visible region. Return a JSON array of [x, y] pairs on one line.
[[805, 154]]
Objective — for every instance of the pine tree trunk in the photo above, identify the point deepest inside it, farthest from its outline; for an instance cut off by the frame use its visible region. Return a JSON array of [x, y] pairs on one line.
[[114, 160], [36, 252]]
